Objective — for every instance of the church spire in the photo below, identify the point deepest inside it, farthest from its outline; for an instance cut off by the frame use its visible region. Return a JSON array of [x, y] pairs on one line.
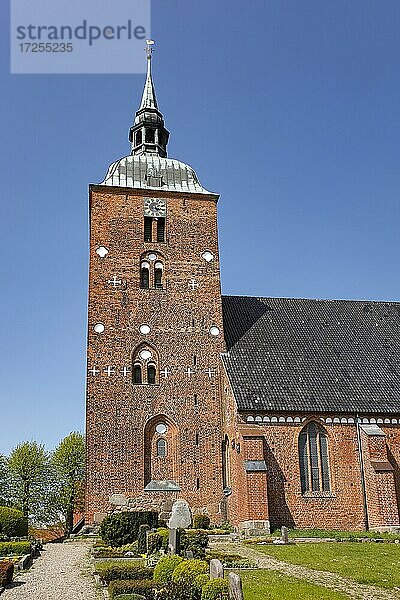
[[149, 99], [148, 134]]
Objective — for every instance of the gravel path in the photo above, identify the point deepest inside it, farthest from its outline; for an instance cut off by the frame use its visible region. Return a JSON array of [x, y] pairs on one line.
[[354, 590], [62, 571]]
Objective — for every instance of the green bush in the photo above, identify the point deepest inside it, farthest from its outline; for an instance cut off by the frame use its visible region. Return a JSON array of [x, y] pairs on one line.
[[142, 538], [200, 581], [15, 548], [165, 568], [123, 528], [164, 533], [215, 589], [185, 574], [112, 570], [6, 572], [145, 587], [154, 543], [201, 522], [12, 522], [196, 541]]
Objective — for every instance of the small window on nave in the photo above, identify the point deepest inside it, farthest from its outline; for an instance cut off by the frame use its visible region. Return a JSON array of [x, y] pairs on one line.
[[161, 447]]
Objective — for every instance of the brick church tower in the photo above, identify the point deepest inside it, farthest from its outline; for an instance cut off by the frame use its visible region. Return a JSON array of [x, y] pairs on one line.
[[155, 331]]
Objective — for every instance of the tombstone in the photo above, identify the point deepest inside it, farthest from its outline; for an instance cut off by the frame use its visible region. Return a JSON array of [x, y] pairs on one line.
[[235, 587], [216, 569], [189, 554], [173, 541], [284, 535], [180, 519]]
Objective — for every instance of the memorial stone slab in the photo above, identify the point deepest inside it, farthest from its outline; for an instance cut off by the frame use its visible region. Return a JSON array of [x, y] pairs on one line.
[[216, 569], [118, 500], [180, 517], [235, 587], [284, 535]]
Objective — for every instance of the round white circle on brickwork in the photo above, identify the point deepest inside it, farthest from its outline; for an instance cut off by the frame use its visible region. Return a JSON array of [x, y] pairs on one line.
[[214, 331], [161, 428], [99, 328], [145, 265], [145, 354], [158, 265], [152, 256], [145, 329], [208, 256], [102, 251]]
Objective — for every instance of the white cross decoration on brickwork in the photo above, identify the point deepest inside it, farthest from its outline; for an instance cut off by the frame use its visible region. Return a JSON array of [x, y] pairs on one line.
[[110, 371], [190, 372], [94, 371], [193, 284], [210, 372], [165, 372], [125, 371], [115, 281]]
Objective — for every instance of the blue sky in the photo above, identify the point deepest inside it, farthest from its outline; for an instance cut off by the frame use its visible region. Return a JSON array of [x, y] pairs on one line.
[[290, 110]]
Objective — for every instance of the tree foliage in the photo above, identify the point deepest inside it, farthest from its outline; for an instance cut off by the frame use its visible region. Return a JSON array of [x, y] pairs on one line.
[[29, 470], [68, 462]]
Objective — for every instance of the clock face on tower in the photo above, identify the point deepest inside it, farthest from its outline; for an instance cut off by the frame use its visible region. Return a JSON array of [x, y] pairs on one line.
[[154, 207]]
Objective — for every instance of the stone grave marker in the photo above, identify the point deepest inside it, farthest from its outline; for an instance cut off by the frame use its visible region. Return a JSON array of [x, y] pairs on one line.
[[284, 534], [235, 587], [180, 519], [216, 569]]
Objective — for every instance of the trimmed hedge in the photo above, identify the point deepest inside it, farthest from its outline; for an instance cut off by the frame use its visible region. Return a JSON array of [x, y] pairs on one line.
[[142, 538], [144, 587], [200, 582], [201, 522], [6, 572], [154, 543], [12, 522], [165, 567], [15, 548], [123, 528], [113, 570], [185, 574], [215, 589], [196, 541]]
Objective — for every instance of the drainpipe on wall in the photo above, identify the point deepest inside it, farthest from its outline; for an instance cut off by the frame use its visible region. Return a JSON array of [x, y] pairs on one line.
[[364, 491]]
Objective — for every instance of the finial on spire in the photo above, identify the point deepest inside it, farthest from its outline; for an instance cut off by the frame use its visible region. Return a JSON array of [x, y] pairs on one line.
[[148, 134], [149, 48]]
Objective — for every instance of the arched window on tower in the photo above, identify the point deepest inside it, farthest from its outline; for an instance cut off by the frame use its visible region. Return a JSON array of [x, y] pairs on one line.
[[138, 138], [151, 374], [161, 229], [161, 447], [137, 373], [313, 457], [145, 275], [145, 365], [149, 136], [158, 275]]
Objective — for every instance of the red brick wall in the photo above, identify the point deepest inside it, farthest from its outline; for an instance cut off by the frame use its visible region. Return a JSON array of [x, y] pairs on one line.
[[117, 410]]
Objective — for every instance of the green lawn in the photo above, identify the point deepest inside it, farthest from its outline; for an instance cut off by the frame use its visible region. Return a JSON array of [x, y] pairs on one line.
[[336, 534], [371, 563], [271, 585]]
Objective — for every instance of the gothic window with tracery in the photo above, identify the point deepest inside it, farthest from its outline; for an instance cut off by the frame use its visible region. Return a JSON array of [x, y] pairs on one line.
[[314, 460]]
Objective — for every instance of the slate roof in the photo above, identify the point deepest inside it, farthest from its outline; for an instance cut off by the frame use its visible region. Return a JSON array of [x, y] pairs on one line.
[[150, 171], [286, 354]]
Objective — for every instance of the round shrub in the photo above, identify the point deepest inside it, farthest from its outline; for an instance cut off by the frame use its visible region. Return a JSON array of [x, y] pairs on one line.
[[201, 522], [215, 589], [12, 522], [196, 541], [122, 528], [200, 582], [165, 567], [146, 588], [185, 574]]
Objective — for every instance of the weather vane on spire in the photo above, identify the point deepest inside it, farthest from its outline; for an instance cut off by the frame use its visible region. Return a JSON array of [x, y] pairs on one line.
[[149, 48]]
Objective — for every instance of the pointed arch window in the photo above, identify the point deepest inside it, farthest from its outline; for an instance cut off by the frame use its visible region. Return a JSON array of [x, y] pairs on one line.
[[314, 460], [161, 447]]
